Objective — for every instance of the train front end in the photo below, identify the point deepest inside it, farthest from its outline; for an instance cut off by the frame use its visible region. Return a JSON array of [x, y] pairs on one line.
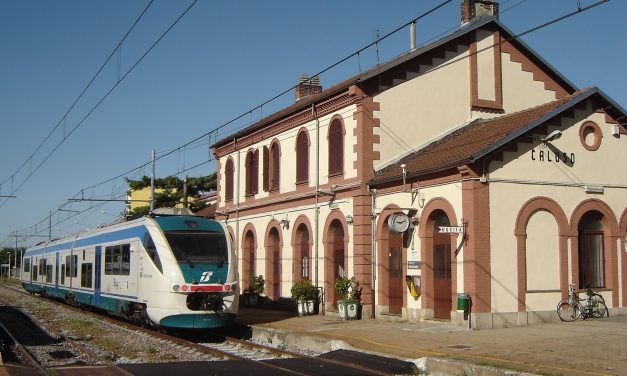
[[200, 274]]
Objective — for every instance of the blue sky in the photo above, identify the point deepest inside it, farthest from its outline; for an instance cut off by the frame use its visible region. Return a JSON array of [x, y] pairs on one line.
[[222, 59]]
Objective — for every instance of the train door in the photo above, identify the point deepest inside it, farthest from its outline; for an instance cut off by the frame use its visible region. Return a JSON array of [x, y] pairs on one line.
[[56, 270], [134, 268], [98, 275]]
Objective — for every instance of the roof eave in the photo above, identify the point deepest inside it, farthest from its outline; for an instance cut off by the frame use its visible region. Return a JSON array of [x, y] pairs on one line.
[[533, 124]]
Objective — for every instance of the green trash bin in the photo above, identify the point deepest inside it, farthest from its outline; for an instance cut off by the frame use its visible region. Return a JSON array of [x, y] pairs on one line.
[[463, 302]]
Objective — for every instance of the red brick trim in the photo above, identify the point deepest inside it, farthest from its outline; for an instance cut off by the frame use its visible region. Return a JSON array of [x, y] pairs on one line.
[[475, 101], [587, 128], [529, 66], [269, 262], [290, 121], [362, 243], [611, 234], [528, 209], [364, 133], [426, 233], [477, 258], [623, 256]]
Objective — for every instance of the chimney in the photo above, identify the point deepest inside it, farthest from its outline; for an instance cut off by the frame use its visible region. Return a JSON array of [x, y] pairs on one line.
[[307, 86], [472, 9]]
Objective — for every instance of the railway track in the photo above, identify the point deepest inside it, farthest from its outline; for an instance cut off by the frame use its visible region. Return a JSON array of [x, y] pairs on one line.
[[207, 347], [228, 348], [43, 351]]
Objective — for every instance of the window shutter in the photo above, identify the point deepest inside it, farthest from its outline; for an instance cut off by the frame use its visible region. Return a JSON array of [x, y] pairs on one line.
[[275, 167], [249, 173], [228, 175], [255, 188], [336, 148], [266, 169], [302, 158]]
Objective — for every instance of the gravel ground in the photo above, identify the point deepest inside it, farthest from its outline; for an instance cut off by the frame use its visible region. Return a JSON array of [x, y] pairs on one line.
[[119, 345]]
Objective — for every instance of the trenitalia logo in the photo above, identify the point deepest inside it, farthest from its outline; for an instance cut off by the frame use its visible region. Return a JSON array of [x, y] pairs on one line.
[[205, 276]]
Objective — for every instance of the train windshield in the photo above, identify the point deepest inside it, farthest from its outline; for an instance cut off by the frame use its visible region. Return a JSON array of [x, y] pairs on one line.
[[200, 246]]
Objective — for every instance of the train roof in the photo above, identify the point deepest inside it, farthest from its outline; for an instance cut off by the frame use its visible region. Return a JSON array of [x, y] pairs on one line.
[[125, 230]]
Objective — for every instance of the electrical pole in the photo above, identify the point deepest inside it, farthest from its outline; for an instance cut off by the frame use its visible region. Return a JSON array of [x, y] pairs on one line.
[[152, 183]]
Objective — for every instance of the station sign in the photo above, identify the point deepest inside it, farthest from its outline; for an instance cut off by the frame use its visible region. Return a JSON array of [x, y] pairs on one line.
[[451, 229]]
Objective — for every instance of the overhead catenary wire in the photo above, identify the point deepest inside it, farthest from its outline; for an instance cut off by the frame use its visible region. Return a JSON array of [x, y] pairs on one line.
[[63, 119], [84, 118], [258, 107]]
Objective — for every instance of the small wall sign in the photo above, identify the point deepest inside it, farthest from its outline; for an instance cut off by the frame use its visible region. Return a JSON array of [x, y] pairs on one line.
[[451, 229]]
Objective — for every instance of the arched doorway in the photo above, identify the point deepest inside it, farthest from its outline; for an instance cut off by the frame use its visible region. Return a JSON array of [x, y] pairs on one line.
[[591, 250], [395, 272], [273, 262], [336, 237], [441, 267], [248, 261], [302, 253]]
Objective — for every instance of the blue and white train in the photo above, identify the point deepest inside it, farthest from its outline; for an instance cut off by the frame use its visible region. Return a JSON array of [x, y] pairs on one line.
[[168, 271]]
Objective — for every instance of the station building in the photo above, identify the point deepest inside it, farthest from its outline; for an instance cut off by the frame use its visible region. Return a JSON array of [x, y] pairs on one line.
[[466, 166]]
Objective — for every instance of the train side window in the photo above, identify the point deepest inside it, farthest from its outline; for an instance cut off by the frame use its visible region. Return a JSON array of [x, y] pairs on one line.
[[27, 264], [74, 266], [63, 274], [87, 272], [83, 255], [49, 273], [34, 273], [43, 266], [118, 260], [151, 249]]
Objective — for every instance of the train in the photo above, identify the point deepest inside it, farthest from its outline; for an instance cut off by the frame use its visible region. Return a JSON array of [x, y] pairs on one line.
[[169, 271]]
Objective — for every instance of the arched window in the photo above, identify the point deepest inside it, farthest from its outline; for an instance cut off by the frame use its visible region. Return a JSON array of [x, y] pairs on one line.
[[302, 158], [336, 148], [591, 251], [252, 172], [228, 177], [275, 166]]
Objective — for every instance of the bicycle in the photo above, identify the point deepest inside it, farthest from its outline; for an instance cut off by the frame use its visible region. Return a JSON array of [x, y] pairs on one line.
[[571, 308]]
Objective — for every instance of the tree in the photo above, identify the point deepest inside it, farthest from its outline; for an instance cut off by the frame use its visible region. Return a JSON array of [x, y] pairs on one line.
[[172, 193]]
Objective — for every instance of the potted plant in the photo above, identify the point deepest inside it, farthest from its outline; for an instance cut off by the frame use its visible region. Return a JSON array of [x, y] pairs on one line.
[[306, 296], [256, 286], [350, 294]]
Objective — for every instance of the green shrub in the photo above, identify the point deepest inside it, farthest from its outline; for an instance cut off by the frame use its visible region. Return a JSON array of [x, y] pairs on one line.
[[304, 290]]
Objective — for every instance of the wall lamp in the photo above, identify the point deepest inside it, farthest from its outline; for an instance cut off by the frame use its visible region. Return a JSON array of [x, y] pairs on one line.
[[285, 223], [325, 192], [593, 188], [551, 136]]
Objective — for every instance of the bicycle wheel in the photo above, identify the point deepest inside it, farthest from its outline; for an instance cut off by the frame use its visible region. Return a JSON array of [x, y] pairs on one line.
[[568, 312], [599, 309]]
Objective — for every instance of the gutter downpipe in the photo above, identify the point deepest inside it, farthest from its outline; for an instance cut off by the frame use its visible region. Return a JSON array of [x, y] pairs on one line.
[[239, 169], [317, 208], [373, 216]]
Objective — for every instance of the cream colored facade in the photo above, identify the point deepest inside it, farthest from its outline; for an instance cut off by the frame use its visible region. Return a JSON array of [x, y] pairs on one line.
[[502, 223]]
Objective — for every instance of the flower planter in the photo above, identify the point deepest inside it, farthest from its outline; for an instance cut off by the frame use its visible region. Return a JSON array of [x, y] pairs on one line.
[[250, 299], [349, 309], [306, 307]]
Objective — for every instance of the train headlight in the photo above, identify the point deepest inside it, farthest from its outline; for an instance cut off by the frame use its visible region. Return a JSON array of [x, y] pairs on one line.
[[184, 287], [176, 288]]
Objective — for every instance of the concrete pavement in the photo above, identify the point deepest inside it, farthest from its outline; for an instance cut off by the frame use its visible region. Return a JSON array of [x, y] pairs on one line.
[[590, 347]]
